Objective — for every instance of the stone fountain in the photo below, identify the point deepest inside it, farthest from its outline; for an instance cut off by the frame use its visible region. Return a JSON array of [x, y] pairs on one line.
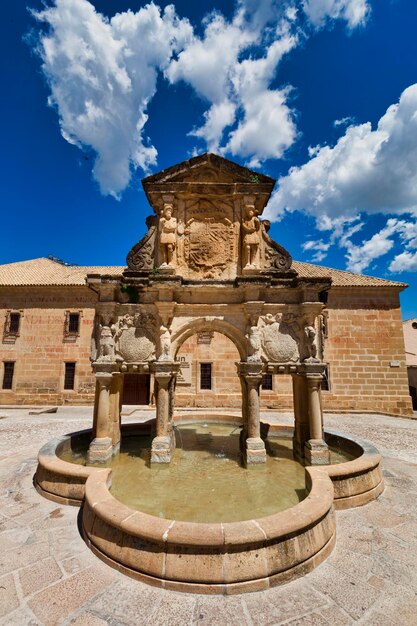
[[207, 263]]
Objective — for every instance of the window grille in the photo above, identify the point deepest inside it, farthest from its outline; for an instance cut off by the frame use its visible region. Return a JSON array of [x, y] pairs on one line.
[[74, 323], [205, 375], [14, 323], [69, 376], [8, 375], [267, 382]]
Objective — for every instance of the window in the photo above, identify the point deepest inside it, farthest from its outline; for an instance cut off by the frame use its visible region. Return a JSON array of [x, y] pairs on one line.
[[205, 375], [14, 323], [12, 326], [8, 375], [325, 383], [72, 325], [69, 376], [267, 382]]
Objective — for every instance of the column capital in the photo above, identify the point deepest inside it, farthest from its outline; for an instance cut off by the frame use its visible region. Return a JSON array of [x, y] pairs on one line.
[[104, 378]]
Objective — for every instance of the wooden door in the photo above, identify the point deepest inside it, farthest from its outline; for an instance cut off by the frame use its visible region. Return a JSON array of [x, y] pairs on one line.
[[136, 389]]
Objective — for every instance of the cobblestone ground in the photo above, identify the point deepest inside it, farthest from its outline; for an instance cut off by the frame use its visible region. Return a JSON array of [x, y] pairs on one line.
[[48, 576]]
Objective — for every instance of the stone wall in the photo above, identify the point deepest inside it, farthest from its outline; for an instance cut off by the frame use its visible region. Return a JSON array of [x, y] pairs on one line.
[[365, 349], [364, 346], [41, 348]]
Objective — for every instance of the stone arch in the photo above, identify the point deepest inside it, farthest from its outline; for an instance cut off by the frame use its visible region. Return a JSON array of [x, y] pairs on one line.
[[200, 325]]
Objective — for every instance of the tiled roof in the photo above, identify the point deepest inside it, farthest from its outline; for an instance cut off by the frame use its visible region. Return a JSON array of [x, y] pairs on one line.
[[340, 278], [38, 272]]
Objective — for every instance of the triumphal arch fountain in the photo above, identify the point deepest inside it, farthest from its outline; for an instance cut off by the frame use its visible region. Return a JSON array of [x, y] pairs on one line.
[[189, 515], [207, 262]]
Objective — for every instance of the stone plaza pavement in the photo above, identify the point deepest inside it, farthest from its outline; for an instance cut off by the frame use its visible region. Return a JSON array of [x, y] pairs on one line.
[[48, 575]]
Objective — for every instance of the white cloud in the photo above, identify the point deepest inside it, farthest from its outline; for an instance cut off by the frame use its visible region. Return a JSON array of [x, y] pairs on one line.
[[404, 262], [100, 90], [355, 12], [103, 73], [218, 66], [371, 171]]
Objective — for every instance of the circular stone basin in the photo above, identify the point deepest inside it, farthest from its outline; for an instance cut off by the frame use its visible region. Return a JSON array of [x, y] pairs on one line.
[[163, 548], [206, 480]]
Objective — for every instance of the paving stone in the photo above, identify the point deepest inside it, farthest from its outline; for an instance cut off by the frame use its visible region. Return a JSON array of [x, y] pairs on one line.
[[357, 567], [335, 616], [39, 575], [88, 619], [57, 602], [127, 602], [392, 570], [174, 608], [311, 619], [77, 563], [21, 617], [353, 596], [25, 555], [9, 600], [213, 610]]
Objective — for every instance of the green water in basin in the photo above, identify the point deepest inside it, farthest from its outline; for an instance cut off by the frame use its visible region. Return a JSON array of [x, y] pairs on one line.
[[206, 480]]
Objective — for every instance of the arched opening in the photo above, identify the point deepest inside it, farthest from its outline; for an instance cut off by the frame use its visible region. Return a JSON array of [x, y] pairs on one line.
[[208, 375]]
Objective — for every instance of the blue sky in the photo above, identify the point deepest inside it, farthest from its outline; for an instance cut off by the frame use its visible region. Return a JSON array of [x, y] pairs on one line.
[[319, 94]]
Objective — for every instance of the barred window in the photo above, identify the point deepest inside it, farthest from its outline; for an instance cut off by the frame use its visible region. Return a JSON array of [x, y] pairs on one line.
[[14, 323], [205, 375], [69, 376], [74, 323], [8, 375], [267, 382]]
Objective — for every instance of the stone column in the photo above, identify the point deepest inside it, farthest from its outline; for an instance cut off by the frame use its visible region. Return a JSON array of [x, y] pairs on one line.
[[101, 447], [255, 447], [163, 444], [116, 390], [301, 424], [316, 450]]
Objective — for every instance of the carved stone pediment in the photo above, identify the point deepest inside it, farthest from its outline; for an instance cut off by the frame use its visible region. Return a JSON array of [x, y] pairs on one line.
[[280, 342], [135, 337]]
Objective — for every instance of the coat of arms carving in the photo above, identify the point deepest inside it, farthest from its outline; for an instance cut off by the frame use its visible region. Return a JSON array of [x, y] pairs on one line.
[[209, 245]]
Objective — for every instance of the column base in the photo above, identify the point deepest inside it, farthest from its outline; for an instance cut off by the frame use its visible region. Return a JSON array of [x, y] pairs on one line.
[[316, 452], [100, 450], [255, 451], [163, 448]]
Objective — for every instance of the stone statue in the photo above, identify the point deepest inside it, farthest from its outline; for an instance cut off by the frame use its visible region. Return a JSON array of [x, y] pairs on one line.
[[250, 228], [310, 342], [165, 343], [254, 344], [106, 344], [167, 235]]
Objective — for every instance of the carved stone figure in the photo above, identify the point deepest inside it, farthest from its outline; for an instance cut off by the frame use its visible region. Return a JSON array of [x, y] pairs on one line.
[[135, 337], [250, 228], [310, 337], [167, 235], [279, 340], [165, 343], [106, 345], [254, 344]]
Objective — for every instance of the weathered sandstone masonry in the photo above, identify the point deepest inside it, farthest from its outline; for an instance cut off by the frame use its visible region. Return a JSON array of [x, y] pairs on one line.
[[206, 249], [207, 264]]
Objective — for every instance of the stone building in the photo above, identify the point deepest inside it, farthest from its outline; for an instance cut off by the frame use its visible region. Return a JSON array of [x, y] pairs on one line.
[[410, 340], [208, 263]]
